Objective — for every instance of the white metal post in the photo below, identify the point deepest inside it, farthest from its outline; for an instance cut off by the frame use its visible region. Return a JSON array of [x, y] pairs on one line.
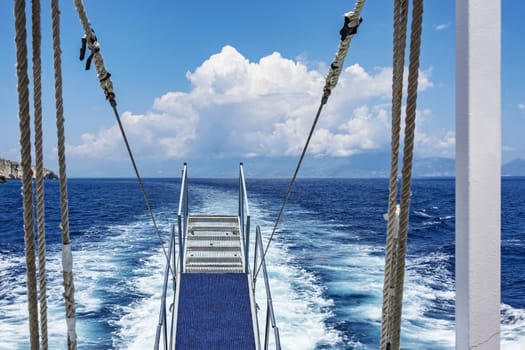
[[478, 173]]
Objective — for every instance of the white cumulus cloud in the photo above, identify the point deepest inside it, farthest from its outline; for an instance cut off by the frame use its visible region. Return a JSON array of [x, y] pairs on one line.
[[238, 108]]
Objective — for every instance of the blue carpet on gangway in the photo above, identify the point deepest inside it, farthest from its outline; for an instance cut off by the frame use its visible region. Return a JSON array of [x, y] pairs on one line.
[[214, 312]]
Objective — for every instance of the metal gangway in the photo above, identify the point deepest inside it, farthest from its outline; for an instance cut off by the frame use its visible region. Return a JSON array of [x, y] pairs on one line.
[[213, 302]]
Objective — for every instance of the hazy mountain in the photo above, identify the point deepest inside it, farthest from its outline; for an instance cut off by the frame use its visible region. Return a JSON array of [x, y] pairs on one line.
[[373, 164], [515, 167], [369, 165]]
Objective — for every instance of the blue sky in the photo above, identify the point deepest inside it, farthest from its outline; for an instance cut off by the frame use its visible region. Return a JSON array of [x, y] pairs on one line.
[[201, 81]]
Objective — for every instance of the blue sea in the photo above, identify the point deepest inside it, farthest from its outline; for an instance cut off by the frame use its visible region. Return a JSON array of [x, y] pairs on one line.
[[326, 262]]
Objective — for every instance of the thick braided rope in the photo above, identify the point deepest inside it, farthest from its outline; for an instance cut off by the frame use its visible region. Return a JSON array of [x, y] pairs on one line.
[[27, 185], [399, 44], [102, 73], [39, 168], [337, 65], [67, 257], [410, 126]]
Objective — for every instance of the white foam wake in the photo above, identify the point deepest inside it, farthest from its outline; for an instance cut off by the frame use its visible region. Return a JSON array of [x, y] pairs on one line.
[[300, 297]]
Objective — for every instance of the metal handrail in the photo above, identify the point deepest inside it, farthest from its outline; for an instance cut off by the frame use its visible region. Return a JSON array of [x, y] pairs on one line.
[[182, 213], [162, 315], [244, 214], [244, 220], [270, 315]]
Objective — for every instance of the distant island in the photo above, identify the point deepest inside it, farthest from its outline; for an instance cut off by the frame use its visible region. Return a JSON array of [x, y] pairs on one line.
[[367, 165], [13, 170], [515, 167]]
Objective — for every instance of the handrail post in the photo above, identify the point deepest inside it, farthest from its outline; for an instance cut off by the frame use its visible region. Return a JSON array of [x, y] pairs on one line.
[[172, 264], [174, 284], [162, 315], [240, 202], [270, 316], [247, 248], [181, 217], [181, 248], [244, 214], [255, 255], [267, 327]]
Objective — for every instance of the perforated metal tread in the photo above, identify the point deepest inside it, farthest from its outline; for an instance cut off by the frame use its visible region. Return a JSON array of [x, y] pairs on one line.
[[213, 244]]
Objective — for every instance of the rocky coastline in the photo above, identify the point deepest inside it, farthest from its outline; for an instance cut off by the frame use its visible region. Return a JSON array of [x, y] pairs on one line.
[[10, 170]]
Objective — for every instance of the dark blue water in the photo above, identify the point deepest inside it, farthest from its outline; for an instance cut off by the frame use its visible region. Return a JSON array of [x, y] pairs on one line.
[[326, 262]]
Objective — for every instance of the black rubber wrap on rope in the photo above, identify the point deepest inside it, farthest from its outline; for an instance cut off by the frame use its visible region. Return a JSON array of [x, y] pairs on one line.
[[349, 29]]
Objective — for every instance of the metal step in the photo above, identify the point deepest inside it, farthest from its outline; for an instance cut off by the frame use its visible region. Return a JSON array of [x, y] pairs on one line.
[[215, 269], [202, 261], [211, 233], [215, 221], [213, 253], [211, 263], [213, 244], [213, 238]]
